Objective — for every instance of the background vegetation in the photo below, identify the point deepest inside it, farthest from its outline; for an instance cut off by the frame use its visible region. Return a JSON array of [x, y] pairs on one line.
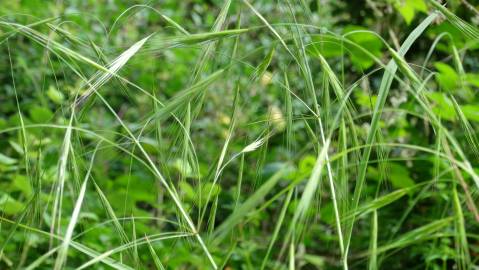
[[205, 134]]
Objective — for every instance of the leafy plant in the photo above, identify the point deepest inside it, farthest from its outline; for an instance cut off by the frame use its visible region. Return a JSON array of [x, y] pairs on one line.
[[239, 135]]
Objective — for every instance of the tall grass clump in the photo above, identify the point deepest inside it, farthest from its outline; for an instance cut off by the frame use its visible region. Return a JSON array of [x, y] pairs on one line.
[[239, 135]]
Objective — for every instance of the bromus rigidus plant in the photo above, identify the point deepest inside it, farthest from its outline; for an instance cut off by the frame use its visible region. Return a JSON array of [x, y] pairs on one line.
[[259, 140]]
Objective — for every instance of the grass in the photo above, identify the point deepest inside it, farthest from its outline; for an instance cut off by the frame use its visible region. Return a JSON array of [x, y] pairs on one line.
[[185, 148]]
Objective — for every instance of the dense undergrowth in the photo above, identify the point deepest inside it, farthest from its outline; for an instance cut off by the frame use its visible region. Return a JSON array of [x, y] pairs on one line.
[[239, 135]]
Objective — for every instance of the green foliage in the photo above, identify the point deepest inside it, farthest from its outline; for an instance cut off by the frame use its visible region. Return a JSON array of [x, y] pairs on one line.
[[239, 134]]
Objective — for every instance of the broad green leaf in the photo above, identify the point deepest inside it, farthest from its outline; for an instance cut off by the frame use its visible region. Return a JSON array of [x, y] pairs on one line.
[[21, 182], [364, 100], [472, 79], [409, 8], [5, 160], [183, 167], [315, 260], [306, 164], [40, 114], [368, 41], [399, 176], [443, 106], [419, 5], [10, 206], [326, 45], [18, 148], [471, 112], [406, 9], [55, 95], [447, 77]]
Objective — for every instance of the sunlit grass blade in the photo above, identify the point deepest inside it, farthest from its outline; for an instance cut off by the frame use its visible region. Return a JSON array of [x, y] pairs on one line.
[[156, 259], [100, 79], [111, 214], [62, 253], [417, 235], [467, 29], [382, 95], [373, 246], [277, 227], [161, 43], [464, 260]]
